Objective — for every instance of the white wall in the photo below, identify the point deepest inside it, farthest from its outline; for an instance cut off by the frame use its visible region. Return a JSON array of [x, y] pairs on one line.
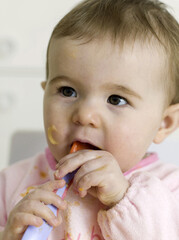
[[25, 28]]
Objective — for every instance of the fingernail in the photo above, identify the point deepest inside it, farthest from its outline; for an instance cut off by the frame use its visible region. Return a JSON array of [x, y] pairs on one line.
[[82, 193], [54, 222], [39, 221], [57, 174], [64, 204]]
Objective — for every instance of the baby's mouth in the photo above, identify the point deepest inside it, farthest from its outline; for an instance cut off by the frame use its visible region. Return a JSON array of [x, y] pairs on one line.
[[84, 145]]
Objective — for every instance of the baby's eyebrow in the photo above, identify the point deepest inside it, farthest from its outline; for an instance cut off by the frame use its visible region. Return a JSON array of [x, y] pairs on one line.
[[121, 88], [60, 77]]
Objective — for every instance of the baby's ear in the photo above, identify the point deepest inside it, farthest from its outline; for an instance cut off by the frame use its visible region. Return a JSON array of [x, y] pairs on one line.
[[169, 123], [43, 84]]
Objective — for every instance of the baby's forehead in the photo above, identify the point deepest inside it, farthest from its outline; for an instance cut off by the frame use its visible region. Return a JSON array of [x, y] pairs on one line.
[[143, 56], [151, 50], [72, 46]]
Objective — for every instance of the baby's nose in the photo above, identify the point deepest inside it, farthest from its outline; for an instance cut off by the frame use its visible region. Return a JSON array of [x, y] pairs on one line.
[[85, 115]]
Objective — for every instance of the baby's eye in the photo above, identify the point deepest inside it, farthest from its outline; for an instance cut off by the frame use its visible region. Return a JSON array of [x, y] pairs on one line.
[[117, 100], [67, 92]]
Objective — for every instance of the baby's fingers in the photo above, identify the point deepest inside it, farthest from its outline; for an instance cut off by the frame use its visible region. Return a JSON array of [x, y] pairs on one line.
[[20, 221], [37, 208], [87, 181], [47, 197], [90, 174]]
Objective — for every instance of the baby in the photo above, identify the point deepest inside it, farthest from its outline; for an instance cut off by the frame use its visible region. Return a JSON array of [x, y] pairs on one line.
[[113, 84]]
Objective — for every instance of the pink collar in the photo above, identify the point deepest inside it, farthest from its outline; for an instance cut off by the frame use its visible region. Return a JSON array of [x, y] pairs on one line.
[[143, 163], [153, 157]]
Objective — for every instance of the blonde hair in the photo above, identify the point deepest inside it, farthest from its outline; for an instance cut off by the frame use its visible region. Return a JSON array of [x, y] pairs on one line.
[[125, 20]]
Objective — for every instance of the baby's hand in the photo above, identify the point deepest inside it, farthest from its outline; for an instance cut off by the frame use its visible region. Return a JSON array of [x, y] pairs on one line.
[[32, 209], [99, 174]]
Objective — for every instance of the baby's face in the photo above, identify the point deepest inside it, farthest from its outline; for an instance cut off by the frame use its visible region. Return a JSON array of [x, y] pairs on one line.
[[107, 96]]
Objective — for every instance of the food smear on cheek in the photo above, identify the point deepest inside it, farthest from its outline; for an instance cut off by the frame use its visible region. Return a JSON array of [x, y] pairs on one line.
[[50, 131]]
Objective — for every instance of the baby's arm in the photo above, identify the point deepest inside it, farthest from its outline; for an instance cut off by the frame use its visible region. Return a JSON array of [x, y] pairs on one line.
[[32, 209], [149, 210]]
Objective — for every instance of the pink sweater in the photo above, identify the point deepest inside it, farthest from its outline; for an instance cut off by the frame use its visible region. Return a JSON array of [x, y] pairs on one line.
[[148, 211]]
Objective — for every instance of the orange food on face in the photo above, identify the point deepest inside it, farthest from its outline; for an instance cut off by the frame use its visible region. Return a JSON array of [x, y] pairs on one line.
[[50, 135]]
